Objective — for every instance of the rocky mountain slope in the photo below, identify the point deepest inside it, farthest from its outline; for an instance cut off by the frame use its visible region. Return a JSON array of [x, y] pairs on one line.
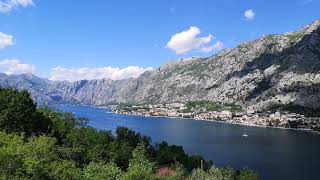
[[269, 71]]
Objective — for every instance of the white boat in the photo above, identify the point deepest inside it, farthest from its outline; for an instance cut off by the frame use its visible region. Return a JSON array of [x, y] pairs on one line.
[[244, 135]]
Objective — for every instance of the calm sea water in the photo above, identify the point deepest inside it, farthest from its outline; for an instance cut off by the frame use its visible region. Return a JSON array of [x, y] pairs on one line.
[[274, 153]]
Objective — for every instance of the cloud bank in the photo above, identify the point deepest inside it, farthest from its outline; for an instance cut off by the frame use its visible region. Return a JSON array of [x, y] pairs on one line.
[[113, 73], [14, 66], [5, 40], [188, 40], [9, 5]]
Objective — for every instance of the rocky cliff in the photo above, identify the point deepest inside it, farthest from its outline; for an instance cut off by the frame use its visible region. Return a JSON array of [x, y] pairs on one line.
[[272, 70]]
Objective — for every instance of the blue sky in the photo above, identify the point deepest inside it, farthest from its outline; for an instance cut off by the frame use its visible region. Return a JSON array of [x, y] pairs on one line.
[[100, 33]]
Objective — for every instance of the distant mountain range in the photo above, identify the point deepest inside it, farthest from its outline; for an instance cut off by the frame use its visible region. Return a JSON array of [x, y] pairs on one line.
[[270, 71]]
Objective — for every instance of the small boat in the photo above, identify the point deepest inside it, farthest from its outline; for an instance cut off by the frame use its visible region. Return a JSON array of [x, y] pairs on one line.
[[244, 135]]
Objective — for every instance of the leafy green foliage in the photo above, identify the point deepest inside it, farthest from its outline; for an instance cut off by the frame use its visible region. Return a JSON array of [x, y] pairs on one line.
[[247, 174], [65, 169], [227, 173], [61, 123], [18, 113], [102, 171], [171, 154], [11, 161], [88, 145], [140, 167], [38, 154]]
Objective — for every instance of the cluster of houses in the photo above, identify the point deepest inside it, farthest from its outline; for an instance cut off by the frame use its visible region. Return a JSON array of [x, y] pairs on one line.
[[264, 119]]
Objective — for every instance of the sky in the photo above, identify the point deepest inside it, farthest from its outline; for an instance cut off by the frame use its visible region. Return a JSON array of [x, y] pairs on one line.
[[117, 39]]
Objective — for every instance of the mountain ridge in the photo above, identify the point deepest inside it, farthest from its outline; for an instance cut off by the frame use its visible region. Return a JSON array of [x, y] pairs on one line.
[[272, 70]]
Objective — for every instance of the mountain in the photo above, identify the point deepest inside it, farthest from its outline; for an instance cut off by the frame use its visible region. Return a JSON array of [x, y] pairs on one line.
[[35, 85], [272, 70]]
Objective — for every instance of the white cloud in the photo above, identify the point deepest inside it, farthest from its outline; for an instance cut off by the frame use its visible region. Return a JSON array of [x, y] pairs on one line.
[[5, 7], [216, 46], [23, 3], [14, 66], [249, 14], [188, 40], [5, 40], [8, 5], [305, 2], [114, 73]]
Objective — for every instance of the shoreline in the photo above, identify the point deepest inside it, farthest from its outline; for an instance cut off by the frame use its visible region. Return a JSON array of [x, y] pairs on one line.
[[208, 120], [224, 122]]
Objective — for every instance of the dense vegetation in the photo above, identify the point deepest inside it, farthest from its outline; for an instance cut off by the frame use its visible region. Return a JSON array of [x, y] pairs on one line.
[[47, 144], [213, 106], [308, 112]]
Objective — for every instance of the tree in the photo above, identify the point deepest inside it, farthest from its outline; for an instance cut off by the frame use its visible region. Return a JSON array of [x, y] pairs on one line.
[[170, 154], [64, 170], [140, 167], [133, 138], [121, 153], [31, 159], [18, 113], [11, 150], [228, 173], [248, 174], [61, 123], [95, 171], [91, 145], [38, 155], [199, 174], [215, 174], [167, 154], [211, 174]]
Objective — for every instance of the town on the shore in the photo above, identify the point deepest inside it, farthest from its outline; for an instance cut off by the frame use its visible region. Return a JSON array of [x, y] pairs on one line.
[[281, 119]]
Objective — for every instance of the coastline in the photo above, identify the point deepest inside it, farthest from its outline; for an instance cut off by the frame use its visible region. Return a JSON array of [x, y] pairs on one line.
[[208, 120], [224, 122]]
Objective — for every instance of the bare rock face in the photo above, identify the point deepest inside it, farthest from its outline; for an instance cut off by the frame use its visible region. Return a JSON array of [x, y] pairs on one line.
[[274, 69], [35, 85], [269, 71]]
